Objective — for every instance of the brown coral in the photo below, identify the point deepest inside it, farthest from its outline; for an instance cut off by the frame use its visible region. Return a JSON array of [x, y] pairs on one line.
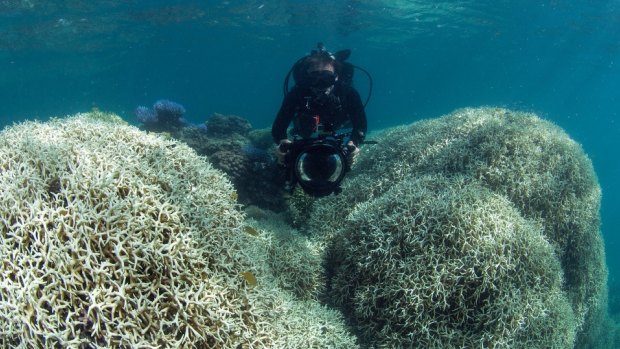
[[225, 125], [234, 164]]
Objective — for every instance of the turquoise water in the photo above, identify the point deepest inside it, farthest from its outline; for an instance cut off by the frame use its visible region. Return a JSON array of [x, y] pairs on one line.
[[559, 59]]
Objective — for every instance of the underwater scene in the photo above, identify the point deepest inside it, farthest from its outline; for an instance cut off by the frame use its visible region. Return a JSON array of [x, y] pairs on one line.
[[309, 174]]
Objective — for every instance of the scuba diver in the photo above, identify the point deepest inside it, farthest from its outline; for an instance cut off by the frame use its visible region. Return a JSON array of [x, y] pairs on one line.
[[320, 105]]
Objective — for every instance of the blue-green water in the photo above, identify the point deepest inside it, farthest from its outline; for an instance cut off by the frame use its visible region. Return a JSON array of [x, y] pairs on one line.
[[560, 59]]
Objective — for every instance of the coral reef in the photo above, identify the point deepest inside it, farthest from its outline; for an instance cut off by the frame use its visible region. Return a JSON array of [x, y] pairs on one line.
[[114, 238], [530, 162], [477, 229]]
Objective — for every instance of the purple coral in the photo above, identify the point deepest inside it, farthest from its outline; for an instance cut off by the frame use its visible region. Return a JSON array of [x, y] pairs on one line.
[[169, 112], [164, 116], [145, 115]]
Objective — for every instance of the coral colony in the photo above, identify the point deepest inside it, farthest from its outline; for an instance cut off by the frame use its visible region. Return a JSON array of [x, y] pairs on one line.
[[146, 115], [169, 112], [115, 238], [165, 116], [479, 229]]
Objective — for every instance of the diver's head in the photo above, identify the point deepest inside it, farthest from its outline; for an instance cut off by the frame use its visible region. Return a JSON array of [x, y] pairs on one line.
[[321, 71], [321, 61]]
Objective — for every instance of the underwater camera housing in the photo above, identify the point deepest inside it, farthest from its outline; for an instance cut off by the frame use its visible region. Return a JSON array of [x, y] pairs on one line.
[[318, 164]]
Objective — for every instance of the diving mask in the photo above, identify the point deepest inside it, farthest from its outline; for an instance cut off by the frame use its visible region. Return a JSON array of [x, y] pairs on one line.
[[321, 79]]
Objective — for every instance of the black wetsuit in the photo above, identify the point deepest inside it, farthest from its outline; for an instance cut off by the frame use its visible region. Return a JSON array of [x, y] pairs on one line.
[[341, 108]]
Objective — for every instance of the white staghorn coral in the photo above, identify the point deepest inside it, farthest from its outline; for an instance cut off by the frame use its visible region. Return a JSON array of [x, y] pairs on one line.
[[110, 237], [540, 172]]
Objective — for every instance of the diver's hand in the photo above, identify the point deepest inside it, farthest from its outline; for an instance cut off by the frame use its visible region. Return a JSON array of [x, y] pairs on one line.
[[282, 150], [353, 152]]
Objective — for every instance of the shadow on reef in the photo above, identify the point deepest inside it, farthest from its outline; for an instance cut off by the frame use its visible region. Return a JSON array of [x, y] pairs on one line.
[[231, 145]]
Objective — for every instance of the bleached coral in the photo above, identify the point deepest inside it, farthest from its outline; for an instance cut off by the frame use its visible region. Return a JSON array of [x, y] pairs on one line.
[[294, 260], [449, 265], [114, 238], [544, 174]]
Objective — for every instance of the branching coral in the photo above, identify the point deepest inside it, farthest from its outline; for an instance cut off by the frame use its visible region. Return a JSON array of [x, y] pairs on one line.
[[293, 260], [449, 265], [531, 162], [114, 238]]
